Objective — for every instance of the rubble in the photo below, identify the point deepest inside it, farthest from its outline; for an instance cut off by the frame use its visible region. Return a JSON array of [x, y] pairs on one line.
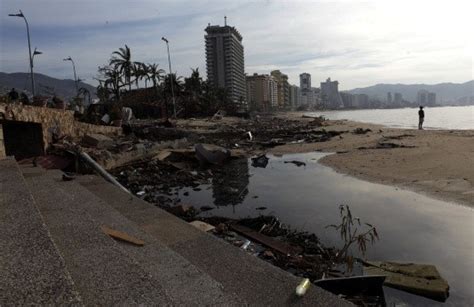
[[211, 154], [297, 163], [99, 141]]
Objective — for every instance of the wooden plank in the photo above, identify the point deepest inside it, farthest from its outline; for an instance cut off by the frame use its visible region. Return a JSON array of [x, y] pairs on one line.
[[202, 226], [281, 247], [122, 236]]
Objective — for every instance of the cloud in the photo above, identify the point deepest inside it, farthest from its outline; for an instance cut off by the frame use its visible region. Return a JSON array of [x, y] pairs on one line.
[[358, 43]]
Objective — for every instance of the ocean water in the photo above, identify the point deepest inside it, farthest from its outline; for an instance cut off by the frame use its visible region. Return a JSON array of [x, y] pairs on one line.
[[435, 118], [412, 227]]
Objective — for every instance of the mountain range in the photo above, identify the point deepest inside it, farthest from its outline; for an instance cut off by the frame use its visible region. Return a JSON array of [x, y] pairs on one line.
[[44, 84], [445, 92]]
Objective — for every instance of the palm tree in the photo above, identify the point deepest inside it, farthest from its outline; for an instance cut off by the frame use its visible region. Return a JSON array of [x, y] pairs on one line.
[[85, 92], [137, 72], [145, 73], [155, 75], [111, 78], [122, 60]]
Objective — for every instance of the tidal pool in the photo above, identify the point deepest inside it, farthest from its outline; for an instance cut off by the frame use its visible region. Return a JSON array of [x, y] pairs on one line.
[[412, 227]]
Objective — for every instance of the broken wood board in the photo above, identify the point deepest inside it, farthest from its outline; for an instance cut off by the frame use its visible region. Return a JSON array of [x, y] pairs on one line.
[[122, 236], [419, 279], [202, 226], [281, 247]]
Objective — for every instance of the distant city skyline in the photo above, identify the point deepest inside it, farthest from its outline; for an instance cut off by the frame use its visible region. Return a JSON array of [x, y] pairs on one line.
[[357, 43]]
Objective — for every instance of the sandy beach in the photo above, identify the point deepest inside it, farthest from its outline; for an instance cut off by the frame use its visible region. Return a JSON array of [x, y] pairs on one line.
[[438, 163]]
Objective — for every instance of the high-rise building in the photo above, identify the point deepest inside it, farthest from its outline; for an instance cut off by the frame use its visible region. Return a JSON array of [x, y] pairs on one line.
[[398, 98], [347, 99], [307, 95], [294, 96], [431, 99], [330, 94], [262, 92], [389, 98], [305, 81], [361, 100], [225, 61], [425, 98], [283, 88]]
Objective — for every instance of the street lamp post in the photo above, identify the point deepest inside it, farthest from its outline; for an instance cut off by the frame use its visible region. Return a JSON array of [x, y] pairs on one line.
[[29, 49], [74, 70], [171, 79], [35, 52]]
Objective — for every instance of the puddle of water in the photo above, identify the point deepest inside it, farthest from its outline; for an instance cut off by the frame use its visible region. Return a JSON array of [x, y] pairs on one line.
[[412, 227]]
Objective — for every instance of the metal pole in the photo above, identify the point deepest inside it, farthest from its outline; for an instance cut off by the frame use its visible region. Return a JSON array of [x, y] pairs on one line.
[[171, 79], [31, 57], [75, 76]]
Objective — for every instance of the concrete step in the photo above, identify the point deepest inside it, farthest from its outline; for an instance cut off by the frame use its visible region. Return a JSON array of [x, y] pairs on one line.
[[102, 272], [181, 282], [32, 271], [258, 282]]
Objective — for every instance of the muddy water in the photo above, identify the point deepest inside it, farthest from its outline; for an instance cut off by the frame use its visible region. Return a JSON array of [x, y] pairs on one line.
[[412, 227]]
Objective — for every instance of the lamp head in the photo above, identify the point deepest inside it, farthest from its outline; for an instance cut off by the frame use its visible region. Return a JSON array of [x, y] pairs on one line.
[[164, 39], [67, 59]]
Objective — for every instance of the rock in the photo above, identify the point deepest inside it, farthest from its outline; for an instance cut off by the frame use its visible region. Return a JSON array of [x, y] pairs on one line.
[[260, 161], [179, 210], [211, 154], [99, 141]]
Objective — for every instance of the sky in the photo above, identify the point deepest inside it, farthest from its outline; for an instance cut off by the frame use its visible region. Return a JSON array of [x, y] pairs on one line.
[[358, 43]]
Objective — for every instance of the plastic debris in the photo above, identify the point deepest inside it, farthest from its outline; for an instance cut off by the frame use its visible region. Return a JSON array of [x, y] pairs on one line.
[[245, 245], [303, 287]]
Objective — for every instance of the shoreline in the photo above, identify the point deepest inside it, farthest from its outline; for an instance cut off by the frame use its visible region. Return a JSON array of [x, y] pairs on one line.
[[435, 163]]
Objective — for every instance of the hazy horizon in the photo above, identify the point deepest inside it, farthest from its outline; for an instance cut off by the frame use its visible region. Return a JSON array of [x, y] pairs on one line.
[[357, 43]]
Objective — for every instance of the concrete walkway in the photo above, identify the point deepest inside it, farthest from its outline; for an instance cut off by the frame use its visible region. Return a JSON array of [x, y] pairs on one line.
[[54, 251]]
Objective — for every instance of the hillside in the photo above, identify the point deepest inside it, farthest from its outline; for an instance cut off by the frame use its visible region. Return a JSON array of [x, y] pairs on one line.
[[445, 92], [62, 88]]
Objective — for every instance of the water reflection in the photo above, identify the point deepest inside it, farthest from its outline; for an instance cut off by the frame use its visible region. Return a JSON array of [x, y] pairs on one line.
[[412, 227], [230, 186]]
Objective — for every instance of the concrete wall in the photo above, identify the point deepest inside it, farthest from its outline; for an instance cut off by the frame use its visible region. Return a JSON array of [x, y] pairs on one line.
[[2, 147], [51, 120]]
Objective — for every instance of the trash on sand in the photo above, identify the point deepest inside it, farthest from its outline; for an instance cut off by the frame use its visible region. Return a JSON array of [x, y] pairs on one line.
[[260, 161], [361, 131], [297, 163], [163, 155], [279, 246], [68, 177], [249, 135], [303, 287], [206, 208], [141, 193], [202, 226], [211, 154], [245, 245], [419, 279], [122, 236]]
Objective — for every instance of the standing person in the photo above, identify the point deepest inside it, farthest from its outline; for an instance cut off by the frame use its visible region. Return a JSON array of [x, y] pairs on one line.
[[421, 118]]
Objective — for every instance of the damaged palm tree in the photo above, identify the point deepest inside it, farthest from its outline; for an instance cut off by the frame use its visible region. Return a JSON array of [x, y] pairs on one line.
[[351, 232]]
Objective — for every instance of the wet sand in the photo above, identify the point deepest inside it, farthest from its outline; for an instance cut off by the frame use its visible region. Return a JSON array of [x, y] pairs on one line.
[[439, 163]]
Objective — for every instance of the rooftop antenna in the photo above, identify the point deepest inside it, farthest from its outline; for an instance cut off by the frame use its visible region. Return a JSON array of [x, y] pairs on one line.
[[225, 20]]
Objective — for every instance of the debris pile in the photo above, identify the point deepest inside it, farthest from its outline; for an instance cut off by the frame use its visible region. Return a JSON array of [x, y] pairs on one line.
[[300, 253]]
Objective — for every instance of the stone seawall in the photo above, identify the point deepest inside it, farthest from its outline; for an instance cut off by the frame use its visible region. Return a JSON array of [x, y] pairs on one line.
[[51, 120]]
